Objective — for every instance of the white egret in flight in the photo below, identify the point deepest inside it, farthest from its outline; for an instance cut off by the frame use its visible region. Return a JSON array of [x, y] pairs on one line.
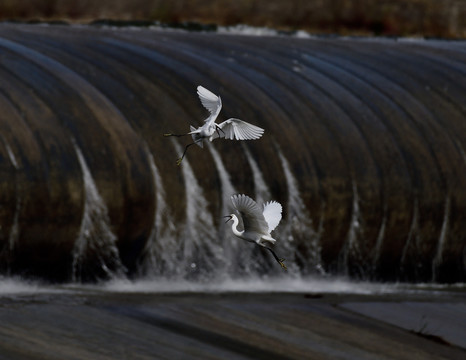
[[257, 223], [233, 129]]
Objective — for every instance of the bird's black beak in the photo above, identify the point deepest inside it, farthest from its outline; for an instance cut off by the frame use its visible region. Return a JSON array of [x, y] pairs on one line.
[[229, 218]]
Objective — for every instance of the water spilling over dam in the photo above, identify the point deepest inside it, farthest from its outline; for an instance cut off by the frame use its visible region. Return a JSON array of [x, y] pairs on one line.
[[364, 146]]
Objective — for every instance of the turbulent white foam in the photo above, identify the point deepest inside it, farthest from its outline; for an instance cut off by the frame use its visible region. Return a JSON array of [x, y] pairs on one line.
[[95, 232], [199, 243], [318, 285], [160, 247], [247, 30], [14, 286], [306, 285], [298, 228]]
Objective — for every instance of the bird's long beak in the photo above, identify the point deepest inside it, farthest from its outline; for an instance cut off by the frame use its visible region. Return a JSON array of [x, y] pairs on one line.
[[229, 218]]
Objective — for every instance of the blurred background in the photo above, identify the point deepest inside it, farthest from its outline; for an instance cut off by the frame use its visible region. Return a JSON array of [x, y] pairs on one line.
[[428, 18]]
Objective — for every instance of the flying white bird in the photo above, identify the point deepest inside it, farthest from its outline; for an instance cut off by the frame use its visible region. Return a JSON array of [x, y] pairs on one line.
[[233, 129], [257, 223]]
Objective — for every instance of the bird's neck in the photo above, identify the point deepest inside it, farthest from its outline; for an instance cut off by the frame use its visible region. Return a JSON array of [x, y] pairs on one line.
[[234, 227]]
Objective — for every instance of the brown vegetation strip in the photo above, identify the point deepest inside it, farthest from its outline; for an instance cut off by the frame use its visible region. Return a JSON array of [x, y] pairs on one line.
[[386, 17]]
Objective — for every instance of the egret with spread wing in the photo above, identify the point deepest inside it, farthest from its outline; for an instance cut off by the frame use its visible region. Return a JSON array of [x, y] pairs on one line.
[[233, 129], [257, 223]]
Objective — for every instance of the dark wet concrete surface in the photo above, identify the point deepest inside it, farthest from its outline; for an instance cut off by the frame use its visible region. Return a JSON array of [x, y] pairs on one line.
[[102, 325]]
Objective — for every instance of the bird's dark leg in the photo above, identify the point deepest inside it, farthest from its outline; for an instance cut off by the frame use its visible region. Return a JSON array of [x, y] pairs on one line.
[[178, 162], [218, 131], [280, 261], [177, 135]]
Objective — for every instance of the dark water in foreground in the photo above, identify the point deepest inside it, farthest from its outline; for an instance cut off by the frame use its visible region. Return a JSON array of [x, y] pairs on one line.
[[301, 319]]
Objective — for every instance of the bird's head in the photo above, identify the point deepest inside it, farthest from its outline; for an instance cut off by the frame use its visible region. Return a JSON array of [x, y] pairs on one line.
[[228, 217]]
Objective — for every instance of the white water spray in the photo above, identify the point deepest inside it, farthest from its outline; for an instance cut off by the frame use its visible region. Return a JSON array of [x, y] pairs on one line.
[[261, 189], [201, 251], [227, 187], [352, 248], [413, 240], [14, 230], [298, 229], [240, 258], [438, 259], [12, 157], [159, 255], [380, 239], [95, 236]]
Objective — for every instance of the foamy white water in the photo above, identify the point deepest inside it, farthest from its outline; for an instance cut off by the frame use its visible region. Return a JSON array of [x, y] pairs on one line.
[[300, 285], [199, 247], [297, 227], [318, 285], [12, 286], [160, 250], [95, 234]]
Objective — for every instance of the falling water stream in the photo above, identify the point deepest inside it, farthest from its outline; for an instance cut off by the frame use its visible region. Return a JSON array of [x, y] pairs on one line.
[[95, 235], [159, 257]]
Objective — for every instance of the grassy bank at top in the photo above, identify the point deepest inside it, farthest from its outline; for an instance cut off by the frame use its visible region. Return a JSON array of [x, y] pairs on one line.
[[430, 18]]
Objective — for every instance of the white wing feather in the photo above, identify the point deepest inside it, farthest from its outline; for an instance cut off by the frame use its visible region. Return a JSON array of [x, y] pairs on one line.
[[210, 101], [251, 214], [272, 214], [236, 129]]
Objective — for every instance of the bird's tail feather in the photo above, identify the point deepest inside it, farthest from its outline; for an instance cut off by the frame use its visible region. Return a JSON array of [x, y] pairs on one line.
[[196, 137], [268, 239]]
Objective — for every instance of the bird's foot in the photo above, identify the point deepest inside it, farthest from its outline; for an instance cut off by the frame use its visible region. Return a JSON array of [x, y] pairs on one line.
[[282, 264], [178, 161]]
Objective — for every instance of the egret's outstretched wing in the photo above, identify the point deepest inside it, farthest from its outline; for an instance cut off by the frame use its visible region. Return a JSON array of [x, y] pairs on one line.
[[236, 129], [211, 102], [252, 216], [272, 214]]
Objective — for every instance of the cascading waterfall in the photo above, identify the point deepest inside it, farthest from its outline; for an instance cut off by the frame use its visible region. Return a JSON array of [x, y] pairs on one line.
[[379, 241], [297, 230], [243, 259], [95, 238], [413, 241], [227, 187], [438, 259], [352, 247], [261, 189], [12, 157], [236, 256], [200, 252], [159, 254], [14, 230]]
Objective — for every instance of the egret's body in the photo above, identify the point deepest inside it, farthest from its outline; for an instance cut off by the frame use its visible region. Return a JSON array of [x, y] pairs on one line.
[[233, 129], [257, 223]]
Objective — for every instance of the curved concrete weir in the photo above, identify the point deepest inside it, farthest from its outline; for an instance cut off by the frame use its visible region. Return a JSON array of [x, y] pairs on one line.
[[372, 132]]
